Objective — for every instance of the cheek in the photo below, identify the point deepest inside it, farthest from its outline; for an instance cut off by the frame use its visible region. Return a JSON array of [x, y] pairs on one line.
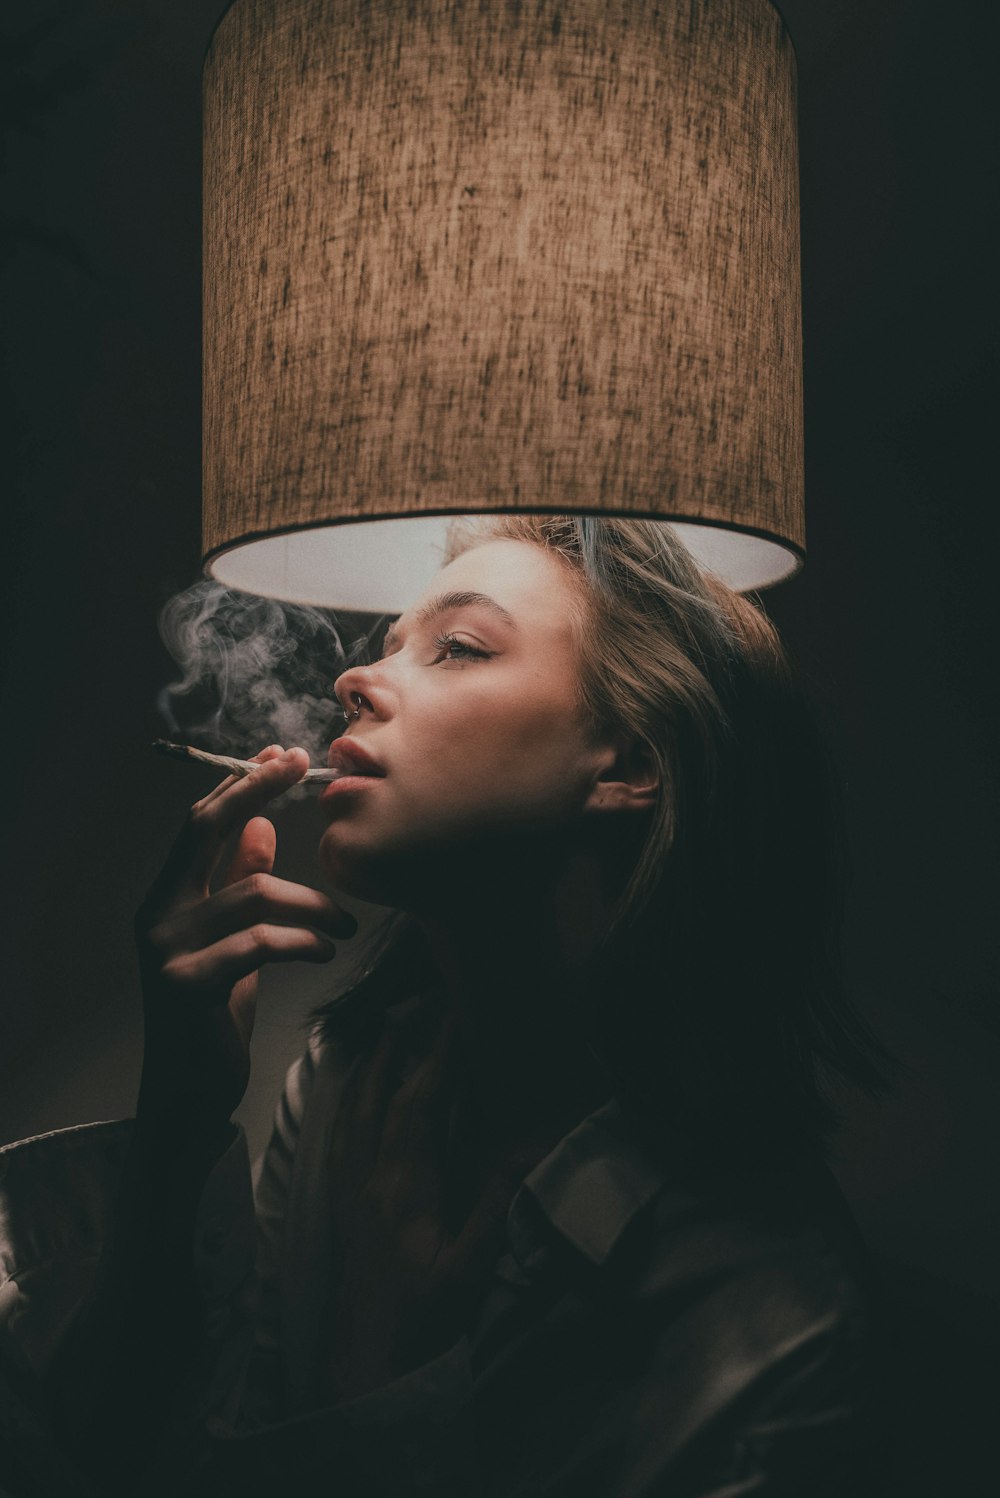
[[524, 762]]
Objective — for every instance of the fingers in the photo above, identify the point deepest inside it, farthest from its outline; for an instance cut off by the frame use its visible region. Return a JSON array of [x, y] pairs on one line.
[[273, 751], [214, 969], [254, 852], [196, 853], [258, 899], [220, 814]]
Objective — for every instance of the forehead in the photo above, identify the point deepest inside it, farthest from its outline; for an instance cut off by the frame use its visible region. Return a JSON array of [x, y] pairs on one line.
[[530, 583]]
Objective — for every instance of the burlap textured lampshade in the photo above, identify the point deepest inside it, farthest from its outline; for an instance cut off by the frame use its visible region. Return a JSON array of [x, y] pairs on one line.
[[463, 257]]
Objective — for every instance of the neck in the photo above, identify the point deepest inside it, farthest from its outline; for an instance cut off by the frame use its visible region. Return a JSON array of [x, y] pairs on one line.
[[515, 956]]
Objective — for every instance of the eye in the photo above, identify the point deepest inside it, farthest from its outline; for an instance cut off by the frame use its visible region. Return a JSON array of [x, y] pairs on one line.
[[460, 650]]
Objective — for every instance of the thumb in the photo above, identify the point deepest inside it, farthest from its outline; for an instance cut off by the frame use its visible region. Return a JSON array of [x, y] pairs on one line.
[[254, 853]]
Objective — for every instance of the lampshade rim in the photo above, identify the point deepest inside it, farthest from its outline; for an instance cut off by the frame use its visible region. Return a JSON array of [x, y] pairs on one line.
[[793, 548]]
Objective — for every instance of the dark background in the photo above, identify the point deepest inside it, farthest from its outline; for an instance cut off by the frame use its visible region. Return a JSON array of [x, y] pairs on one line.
[[891, 619]]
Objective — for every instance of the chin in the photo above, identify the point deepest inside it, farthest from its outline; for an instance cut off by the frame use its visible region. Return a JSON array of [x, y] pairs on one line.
[[356, 873]]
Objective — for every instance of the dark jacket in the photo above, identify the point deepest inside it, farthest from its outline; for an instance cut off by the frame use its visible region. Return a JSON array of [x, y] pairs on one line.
[[652, 1327]]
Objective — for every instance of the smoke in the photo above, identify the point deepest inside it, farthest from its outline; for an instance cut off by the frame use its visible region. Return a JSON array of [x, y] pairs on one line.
[[254, 671]]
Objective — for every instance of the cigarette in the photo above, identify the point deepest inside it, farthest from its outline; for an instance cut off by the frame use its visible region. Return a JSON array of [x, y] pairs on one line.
[[232, 766]]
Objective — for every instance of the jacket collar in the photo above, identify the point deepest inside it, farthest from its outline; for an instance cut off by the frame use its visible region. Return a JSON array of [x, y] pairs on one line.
[[589, 1188]]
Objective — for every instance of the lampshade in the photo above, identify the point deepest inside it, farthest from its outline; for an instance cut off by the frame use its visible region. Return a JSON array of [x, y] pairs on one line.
[[463, 258]]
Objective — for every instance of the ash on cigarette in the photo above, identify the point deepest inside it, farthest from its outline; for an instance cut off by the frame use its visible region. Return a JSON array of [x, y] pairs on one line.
[[257, 671]]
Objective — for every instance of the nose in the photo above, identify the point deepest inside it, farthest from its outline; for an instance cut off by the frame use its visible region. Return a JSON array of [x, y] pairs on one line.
[[353, 692]]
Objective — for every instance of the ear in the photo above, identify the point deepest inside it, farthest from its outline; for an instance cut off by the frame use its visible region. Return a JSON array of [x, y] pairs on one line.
[[626, 779]]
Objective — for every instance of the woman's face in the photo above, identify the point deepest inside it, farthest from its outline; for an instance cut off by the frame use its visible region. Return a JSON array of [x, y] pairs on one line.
[[472, 715]]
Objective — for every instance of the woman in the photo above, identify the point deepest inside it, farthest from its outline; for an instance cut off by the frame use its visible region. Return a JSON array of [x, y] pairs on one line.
[[544, 1210]]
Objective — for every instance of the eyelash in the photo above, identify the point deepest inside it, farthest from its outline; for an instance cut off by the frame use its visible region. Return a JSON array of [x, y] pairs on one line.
[[443, 641]]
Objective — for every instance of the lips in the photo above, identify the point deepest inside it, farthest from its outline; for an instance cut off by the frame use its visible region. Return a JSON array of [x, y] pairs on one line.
[[348, 756]]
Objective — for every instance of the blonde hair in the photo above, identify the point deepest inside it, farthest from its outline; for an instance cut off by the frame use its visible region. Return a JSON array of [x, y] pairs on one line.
[[660, 643]]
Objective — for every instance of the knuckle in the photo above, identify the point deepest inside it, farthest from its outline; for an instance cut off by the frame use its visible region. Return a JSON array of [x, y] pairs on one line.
[[257, 892], [155, 938], [177, 972], [258, 937], [199, 816]]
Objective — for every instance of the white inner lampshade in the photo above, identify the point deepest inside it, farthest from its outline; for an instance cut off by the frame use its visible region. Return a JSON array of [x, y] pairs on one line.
[[382, 566]]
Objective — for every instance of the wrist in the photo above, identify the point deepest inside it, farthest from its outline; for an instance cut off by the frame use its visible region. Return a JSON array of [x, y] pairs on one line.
[[182, 1127]]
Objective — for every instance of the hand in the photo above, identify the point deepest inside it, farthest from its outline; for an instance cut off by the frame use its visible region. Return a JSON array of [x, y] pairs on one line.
[[200, 952], [413, 1253]]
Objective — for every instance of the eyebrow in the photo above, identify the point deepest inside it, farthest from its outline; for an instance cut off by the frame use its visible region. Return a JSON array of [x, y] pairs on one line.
[[446, 602]]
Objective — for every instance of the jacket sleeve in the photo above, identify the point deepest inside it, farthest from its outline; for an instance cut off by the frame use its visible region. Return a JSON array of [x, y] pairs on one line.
[[805, 1425]]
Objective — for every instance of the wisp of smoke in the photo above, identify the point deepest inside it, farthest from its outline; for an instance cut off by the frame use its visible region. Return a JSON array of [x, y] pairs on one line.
[[254, 671]]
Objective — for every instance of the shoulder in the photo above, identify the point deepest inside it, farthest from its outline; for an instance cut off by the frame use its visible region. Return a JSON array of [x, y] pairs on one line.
[[747, 1263], [760, 1324], [766, 1260], [713, 1325]]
